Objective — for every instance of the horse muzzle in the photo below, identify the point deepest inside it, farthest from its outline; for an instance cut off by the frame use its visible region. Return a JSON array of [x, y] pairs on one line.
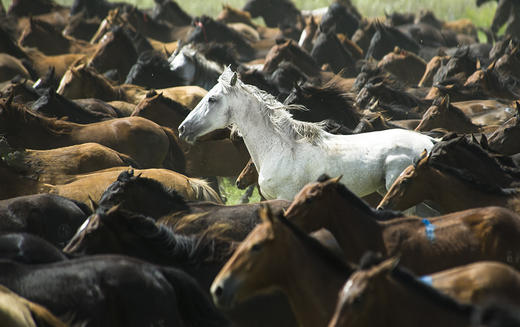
[[223, 292], [186, 134]]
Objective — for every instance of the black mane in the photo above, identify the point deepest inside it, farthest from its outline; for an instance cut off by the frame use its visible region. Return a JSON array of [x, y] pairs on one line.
[[355, 200], [184, 249], [320, 250]]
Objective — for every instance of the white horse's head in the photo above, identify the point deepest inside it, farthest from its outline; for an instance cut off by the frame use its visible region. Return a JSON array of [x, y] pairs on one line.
[[213, 111], [183, 64]]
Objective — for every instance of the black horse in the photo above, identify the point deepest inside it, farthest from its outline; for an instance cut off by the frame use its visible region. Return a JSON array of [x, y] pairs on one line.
[[29, 249], [152, 71], [49, 216], [276, 13], [113, 291]]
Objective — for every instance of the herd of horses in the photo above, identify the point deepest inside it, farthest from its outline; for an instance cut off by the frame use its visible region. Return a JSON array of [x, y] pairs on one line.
[[385, 151]]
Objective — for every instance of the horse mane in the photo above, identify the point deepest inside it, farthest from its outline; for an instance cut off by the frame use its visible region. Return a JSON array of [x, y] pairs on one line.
[[332, 92], [301, 53], [219, 28], [186, 249], [315, 246], [409, 280], [52, 125], [454, 142], [276, 112], [380, 215], [153, 185], [466, 176], [44, 25], [223, 54], [201, 62]]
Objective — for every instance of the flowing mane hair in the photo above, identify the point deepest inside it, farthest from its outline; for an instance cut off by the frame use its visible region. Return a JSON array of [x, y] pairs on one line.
[[276, 112], [19, 115]]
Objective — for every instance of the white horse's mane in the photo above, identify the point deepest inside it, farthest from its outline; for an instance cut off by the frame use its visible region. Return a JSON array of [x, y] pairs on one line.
[[276, 112]]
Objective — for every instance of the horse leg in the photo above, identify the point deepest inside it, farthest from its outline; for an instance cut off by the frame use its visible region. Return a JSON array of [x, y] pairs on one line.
[[247, 194]]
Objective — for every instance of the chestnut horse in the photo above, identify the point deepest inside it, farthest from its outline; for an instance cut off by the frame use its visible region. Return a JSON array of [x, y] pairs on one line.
[[386, 295], [424, 245], [149, 144], [277, 255], [451, 188]]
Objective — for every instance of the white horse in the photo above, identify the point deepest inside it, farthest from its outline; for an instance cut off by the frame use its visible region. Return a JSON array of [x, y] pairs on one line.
[[289, 154]]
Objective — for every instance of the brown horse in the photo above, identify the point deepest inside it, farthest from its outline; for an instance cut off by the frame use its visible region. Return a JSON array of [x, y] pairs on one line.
[[504, 139], [47, 39], [85, 187], [277, 255], [55, 166], [16, 311], [442, 114], [424, 246], [114, 51], [386, 295], [82, 82], [61, 63], [431, 69], [450, 188], [405, 65], [146, 142], [248, 176]]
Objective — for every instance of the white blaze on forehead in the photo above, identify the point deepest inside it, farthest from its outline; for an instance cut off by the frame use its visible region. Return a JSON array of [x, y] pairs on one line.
[[302, 38], [346, 289], [184, 67], [83, 226]]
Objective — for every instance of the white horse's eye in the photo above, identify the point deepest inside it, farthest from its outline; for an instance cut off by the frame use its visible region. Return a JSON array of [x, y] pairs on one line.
[[212, 100]]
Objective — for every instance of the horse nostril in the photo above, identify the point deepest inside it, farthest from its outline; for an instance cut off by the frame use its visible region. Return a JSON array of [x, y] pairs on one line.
[[218, 291], [181, 129]]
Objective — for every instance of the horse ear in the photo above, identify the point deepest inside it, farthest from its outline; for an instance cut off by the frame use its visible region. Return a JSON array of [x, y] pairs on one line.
[[423, 158], [265, 214], [479, 65], [336, 179], [445, 102], [234, 79], [93, 204], [484, 142], [492, 65]]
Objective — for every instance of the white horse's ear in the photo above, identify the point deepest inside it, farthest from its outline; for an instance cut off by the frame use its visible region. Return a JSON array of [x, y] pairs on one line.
[[234, 79]]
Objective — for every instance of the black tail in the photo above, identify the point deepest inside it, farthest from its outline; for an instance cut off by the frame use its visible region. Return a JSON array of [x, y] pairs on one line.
[[195, 307]]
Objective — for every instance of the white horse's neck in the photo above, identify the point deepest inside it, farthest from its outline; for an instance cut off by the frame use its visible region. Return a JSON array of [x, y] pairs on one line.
[[262, 140]]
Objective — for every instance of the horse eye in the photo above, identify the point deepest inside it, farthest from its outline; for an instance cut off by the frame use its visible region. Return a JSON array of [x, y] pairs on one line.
[[212, 100], [256, 247], [357, 300]]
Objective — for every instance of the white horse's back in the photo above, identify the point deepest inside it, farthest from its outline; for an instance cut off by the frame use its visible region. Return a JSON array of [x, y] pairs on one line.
[[289, 154]]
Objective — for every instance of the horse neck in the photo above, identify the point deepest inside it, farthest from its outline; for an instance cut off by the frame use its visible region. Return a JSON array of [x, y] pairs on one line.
[[260, 137], [354, 228], [462, 193], [312, 301], [423, 308], [35, 133]]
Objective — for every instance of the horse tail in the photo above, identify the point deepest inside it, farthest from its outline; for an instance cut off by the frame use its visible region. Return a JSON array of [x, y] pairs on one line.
[[42, 316], [195, 308], [175, 159], [129, 161], [203, 191]]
